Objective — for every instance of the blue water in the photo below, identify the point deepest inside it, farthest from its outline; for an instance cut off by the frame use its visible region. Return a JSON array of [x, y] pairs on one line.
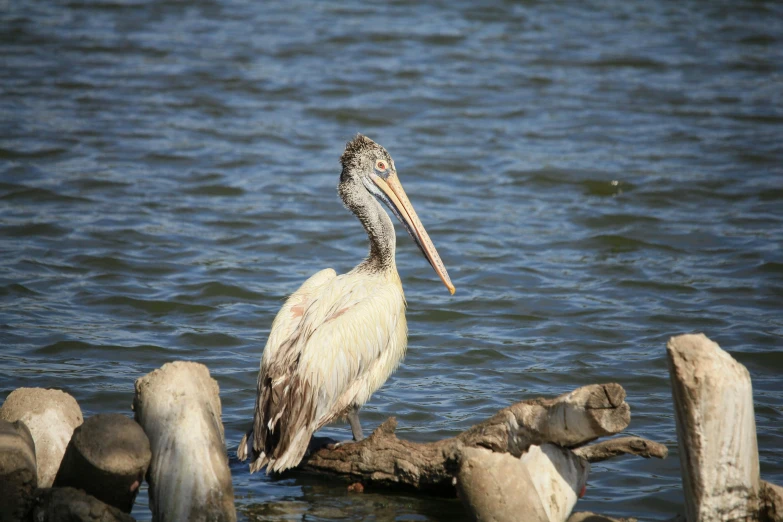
[[597, 176]]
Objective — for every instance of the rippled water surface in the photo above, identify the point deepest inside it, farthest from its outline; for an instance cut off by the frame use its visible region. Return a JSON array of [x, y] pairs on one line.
[[597, 176]]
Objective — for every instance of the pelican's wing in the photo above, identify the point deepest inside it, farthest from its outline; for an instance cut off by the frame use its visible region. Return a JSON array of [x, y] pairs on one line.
[[317, 371], [286, 322]]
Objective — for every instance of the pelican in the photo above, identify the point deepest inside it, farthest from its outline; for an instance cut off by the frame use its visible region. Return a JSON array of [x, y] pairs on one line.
[[338, 338]]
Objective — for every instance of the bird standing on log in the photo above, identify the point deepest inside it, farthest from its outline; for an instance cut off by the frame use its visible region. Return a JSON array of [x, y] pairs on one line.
[[338, 338]]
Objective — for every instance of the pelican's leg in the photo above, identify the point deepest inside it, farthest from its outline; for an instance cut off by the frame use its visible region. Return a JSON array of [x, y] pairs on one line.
[[356, 427]]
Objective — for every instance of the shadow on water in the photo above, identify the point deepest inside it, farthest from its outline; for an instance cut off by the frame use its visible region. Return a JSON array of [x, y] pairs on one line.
[[380, 505]]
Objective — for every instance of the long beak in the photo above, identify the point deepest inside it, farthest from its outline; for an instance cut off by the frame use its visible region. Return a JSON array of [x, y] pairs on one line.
[[399, 204]]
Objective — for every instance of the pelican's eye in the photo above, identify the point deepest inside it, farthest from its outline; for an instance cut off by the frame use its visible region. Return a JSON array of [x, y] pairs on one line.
[[380, 165]]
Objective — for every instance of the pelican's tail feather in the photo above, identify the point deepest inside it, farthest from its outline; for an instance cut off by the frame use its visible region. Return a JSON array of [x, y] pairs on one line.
[[259, 463], [294, 452], [245, 450], [244, 446]]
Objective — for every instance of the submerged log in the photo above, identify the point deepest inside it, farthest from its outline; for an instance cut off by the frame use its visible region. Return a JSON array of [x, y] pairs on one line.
[[568, 420], [716, 431], [51, 416], [179, 408], [18, 474], [107, 458], [541, 486]]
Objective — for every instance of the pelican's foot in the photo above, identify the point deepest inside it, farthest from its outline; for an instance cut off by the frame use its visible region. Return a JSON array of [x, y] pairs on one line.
[[317, 443], [335, 445]]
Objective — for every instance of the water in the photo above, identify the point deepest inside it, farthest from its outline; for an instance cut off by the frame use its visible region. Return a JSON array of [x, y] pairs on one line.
[[597, 177]]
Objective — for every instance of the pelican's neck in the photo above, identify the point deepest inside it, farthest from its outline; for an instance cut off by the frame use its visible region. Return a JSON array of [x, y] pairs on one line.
[[376, 222]]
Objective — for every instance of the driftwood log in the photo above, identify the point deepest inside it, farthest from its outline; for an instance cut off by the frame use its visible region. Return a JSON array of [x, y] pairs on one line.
[[611, 448], [569, 420]]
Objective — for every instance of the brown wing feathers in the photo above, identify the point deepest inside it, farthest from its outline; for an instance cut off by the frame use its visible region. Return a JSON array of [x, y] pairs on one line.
[[285, 408]]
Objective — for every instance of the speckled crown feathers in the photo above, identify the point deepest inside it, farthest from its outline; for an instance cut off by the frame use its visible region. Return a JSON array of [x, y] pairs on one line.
[[355, 148]]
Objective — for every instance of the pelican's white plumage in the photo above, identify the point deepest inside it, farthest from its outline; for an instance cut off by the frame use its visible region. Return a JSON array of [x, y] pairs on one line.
[[349, 334], [338, 338]]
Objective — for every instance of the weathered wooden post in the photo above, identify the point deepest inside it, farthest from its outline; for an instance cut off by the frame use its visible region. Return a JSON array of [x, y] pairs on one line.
[[51, 416], [107, 457], [716, 431], [178, 406]]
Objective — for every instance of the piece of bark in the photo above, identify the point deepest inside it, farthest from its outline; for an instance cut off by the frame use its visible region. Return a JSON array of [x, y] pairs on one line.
[[382, 459], [771, 504], [18, 473], [178, 406], [107, 458], [541, 486], [586, 516], [51, 416], [716, 430], [73, 505], [622, 445]]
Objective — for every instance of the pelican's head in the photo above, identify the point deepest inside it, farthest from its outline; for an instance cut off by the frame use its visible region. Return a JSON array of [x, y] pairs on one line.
[[367, 163]]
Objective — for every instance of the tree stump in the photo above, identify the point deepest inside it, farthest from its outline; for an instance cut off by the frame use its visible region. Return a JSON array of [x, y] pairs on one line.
[[179, 408], [107, 458], [18, 473], [716, 431], [51, 416]]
